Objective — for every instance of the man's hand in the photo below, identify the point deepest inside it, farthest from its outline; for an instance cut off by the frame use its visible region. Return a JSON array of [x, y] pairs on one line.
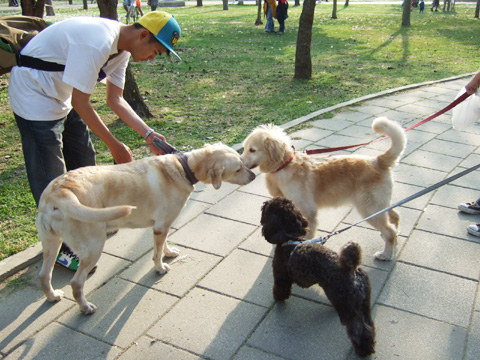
[[81, 103], [152, 147], [121, 153], [473, 84]]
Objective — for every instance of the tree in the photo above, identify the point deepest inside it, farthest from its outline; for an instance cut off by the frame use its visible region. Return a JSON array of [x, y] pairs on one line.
[[259, 13], [406, 13], [346, 3], [49, 8], [33, 8], [199, 3], [477, 8], [108, 9], [334, 11], [225, 4], [131, 93], [303, 59]]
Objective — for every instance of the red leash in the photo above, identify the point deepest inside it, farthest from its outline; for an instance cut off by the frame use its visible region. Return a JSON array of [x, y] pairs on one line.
[[448, 107]]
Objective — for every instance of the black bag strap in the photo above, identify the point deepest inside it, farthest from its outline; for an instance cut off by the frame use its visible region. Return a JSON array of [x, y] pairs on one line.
[[39, 64]]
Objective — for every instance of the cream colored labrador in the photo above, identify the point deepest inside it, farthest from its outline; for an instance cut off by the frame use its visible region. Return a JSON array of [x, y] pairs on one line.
[[81, 206], [314, 182]]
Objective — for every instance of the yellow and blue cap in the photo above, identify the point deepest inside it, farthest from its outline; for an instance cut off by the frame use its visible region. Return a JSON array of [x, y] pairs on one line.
[[164, 27]]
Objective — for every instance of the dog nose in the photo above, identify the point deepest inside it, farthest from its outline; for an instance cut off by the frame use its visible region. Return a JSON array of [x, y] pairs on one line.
[[251, 174]]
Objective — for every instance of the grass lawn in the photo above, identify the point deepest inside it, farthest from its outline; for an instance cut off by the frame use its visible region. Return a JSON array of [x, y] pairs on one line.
[[234, 76]]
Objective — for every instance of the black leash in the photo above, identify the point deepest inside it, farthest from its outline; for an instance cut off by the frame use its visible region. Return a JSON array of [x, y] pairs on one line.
[[323, 240]]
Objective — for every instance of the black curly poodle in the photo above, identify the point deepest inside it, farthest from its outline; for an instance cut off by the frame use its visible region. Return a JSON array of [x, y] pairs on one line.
[[346, 285]]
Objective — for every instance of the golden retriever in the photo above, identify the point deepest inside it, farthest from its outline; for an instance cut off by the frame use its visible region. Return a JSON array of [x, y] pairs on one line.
[[314, 182], [81, 206]]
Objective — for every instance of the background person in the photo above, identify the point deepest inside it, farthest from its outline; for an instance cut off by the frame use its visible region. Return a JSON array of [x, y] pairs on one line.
[[472, 207], [282, 15], [270, 12], [153, 4]]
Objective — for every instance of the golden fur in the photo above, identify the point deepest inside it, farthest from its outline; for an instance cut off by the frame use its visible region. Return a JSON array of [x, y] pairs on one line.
[[314, 182], [81, 206]]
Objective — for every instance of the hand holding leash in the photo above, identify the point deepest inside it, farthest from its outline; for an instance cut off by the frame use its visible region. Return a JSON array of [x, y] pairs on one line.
[[163, 147], [150, 136]]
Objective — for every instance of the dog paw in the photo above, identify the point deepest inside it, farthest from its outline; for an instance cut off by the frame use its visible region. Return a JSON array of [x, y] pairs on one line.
[[171, 252], [56, 295], [382, 256], [163, 268], [88, 308]]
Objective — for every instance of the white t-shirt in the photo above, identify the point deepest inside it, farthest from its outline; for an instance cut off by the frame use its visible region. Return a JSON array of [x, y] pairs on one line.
[[84, 45]]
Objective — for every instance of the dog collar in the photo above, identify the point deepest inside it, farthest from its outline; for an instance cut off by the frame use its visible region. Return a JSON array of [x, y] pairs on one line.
[[320, 239], [188, 172], [287, 162], [169, 149]]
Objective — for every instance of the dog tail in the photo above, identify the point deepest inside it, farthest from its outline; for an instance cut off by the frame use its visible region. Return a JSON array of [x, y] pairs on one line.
[[69, 205], [382, 125], [350, 257]]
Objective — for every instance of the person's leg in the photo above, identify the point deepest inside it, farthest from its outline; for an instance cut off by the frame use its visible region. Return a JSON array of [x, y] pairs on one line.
[[78, 149], [281, 29], [42, 151], [270, 26]]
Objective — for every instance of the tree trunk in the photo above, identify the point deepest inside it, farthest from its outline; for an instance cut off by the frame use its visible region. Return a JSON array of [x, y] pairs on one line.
[[49, 8], [334, 11], [33, 8], [108, 9], [406, 13], [132, 95], [477, 9], [259, 22], [85, 4], [346, 3], [225, 4], [297, 2], [303, 59], [199, 3]]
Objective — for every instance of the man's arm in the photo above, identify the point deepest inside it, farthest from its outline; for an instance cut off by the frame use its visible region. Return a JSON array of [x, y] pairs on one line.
[[81, 103], [473, 84], [125, 112]]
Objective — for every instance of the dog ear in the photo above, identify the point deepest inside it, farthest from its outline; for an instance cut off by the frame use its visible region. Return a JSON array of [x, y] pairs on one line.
[[274, 234], [301, 227], [215, 176], [274, 148]]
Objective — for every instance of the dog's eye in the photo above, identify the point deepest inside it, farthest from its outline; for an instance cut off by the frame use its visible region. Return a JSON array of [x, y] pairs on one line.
[[252, 150]]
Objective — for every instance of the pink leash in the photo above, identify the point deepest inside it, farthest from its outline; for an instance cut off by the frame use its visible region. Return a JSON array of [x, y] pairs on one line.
[[448, 107]]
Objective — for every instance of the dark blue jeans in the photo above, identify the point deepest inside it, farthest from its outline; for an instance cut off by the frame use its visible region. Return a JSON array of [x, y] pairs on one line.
[[50, 148]]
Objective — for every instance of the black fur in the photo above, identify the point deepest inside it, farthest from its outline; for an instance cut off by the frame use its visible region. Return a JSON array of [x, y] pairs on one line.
[[346, 285]]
